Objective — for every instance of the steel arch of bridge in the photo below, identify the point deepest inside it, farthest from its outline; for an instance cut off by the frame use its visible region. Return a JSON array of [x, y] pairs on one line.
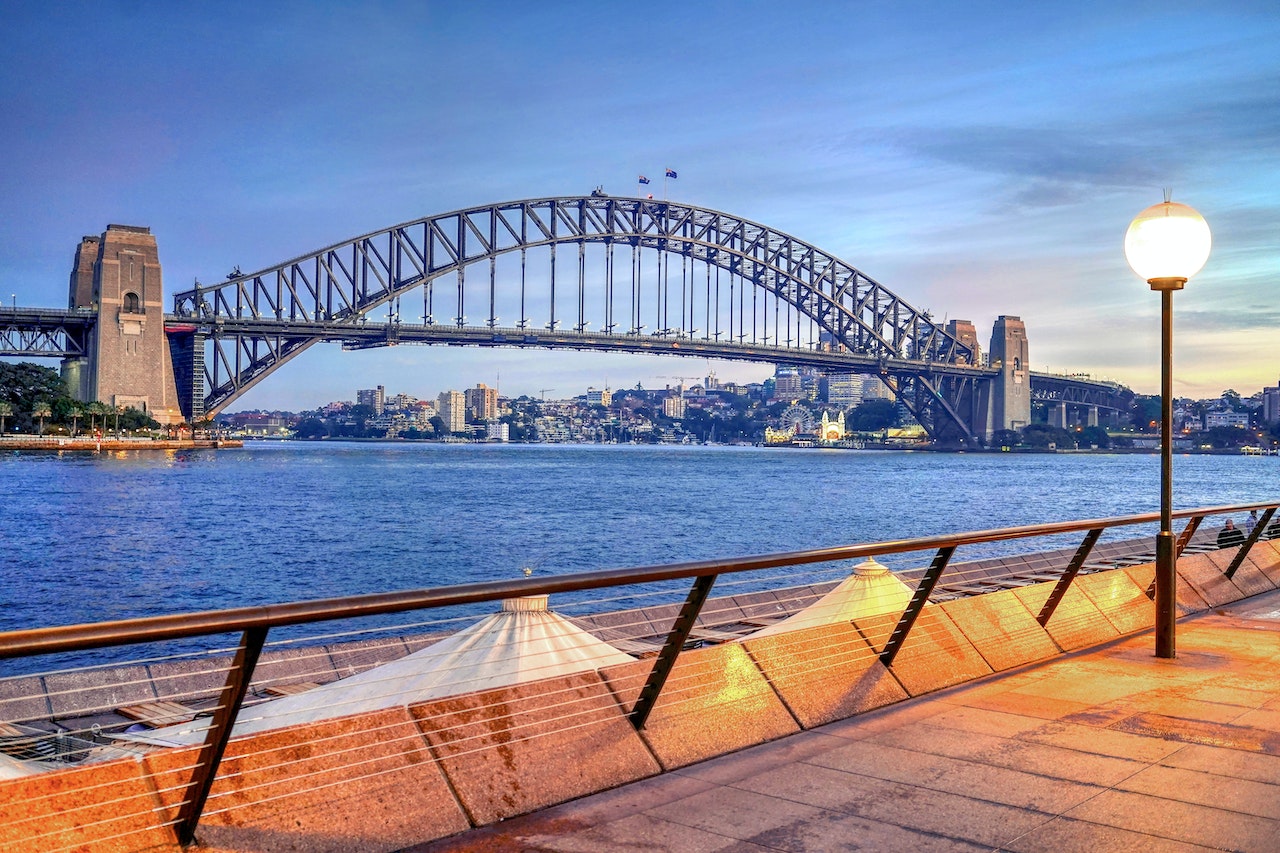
[[251, 324]]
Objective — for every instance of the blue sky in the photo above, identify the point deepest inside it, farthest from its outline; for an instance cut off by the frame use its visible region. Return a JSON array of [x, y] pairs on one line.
[[975, 158]]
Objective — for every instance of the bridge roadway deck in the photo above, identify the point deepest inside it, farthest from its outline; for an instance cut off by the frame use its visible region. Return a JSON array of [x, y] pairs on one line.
[[1104, 749]]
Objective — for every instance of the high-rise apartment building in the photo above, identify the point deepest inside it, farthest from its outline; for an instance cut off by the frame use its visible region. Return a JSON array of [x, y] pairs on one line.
[[482, 402], [452, 408], [1270, 405], [374, 397], [844, 390], [602, 397], [787, 384]]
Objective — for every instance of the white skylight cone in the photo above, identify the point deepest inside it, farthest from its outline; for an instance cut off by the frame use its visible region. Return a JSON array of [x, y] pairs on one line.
[[523, 642], [870, 590]]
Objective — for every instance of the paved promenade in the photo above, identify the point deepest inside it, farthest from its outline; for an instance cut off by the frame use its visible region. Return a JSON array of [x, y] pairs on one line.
[[1106, 749]]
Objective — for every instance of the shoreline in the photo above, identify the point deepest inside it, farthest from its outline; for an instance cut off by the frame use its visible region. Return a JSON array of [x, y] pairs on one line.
[[93, 445]]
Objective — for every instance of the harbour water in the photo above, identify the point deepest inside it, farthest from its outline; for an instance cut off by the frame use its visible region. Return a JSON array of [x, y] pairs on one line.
[[96, 537]]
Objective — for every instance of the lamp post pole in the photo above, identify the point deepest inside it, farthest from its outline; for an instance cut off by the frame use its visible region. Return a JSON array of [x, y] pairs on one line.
[[1166, 244], [1166, 580]]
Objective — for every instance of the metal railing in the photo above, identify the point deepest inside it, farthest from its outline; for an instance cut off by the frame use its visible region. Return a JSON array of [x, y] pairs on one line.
[[253, 624]]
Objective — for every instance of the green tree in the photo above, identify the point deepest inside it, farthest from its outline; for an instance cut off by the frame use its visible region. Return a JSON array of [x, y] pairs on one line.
[[1094, 435], [96, 410], [75, 412], [311, 428], [41, 411], [438, 424], [1044, 435], [133, 419], [1006, 438], [873, 416]]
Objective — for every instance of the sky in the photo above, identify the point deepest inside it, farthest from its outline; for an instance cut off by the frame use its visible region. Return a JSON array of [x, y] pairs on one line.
[[976, 159]]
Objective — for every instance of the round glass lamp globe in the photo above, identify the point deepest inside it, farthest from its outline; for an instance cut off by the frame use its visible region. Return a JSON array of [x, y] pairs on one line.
[[1167, 240]]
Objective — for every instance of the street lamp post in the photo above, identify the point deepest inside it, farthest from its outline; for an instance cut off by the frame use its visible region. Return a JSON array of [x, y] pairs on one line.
[[1166, 244]]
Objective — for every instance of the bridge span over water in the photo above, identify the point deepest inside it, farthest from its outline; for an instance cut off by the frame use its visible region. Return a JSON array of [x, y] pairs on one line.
[[593, 273]]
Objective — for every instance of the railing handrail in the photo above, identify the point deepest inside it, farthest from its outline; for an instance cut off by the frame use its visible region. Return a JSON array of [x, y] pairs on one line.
[[73, 638]]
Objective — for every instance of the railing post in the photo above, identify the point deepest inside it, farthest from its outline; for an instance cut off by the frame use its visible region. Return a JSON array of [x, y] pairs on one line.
[[1055, 597], [1184, 539], [918, 600], [215, 741], [666, 659], [1249, 542]]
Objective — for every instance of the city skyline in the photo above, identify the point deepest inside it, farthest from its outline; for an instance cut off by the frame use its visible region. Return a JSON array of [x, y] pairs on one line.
[[986, 163]]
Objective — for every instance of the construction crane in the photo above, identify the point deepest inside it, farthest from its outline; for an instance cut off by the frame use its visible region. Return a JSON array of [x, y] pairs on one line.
[[542, 392], [683, 379]]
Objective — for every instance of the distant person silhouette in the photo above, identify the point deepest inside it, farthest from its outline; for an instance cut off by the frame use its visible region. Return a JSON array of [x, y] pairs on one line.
[[1230, 535]]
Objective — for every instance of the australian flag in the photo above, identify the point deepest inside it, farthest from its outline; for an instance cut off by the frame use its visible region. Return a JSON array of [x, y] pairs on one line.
[[642, 179], [671, 173]]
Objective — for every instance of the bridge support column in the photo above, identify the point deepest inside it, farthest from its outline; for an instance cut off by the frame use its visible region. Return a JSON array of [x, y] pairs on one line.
[[1058, 415], [1093, 416], [1009, 402], [128, 361]]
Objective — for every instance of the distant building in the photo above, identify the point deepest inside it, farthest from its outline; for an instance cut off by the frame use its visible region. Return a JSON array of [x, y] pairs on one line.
[[497, 431], [482, 402], [787, 384], [1271, 405], [373, 397], [874, 389], [965, 332], [1226, 419], [674, 406], [451, 406], [844, 390], [603, 397]]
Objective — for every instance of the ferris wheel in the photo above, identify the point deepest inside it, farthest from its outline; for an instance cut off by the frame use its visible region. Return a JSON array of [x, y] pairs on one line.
[[797, 418]]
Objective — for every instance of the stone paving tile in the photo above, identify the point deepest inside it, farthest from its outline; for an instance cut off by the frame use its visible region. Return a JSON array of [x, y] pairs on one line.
[[1063, 835], [729, 769], [964, 818], [1029, 705], [742, 813], [956, 776], [1227, 694], [1102, 741], [1256, 766], [1208, 789], [639, 833], [1014, 754], [986, 721], [1224, 830]]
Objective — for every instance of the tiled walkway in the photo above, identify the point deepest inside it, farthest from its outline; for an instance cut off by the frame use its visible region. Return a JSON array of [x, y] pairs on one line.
[[1107, 749]]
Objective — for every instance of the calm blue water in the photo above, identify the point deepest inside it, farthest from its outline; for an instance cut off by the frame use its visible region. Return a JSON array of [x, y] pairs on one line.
[[96, 537]]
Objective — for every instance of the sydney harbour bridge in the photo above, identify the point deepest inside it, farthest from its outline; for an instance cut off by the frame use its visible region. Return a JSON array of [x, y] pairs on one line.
[[592, 273]]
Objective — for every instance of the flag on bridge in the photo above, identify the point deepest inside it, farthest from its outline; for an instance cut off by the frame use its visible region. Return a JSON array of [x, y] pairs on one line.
[[642, 179], [671, 173]]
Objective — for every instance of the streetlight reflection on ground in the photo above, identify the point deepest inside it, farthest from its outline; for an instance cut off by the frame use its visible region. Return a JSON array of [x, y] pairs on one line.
[[1166, 244]]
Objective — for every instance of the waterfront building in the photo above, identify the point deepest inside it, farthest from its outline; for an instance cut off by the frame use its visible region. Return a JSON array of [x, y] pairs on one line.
[[497, 431], [1271, 405], [1226, 419], [375, 398], [482, 402], [451, 406], [831, 430]]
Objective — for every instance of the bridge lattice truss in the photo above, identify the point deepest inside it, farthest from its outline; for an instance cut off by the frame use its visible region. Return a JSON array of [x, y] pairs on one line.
[[45, 332], [591, 272]]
